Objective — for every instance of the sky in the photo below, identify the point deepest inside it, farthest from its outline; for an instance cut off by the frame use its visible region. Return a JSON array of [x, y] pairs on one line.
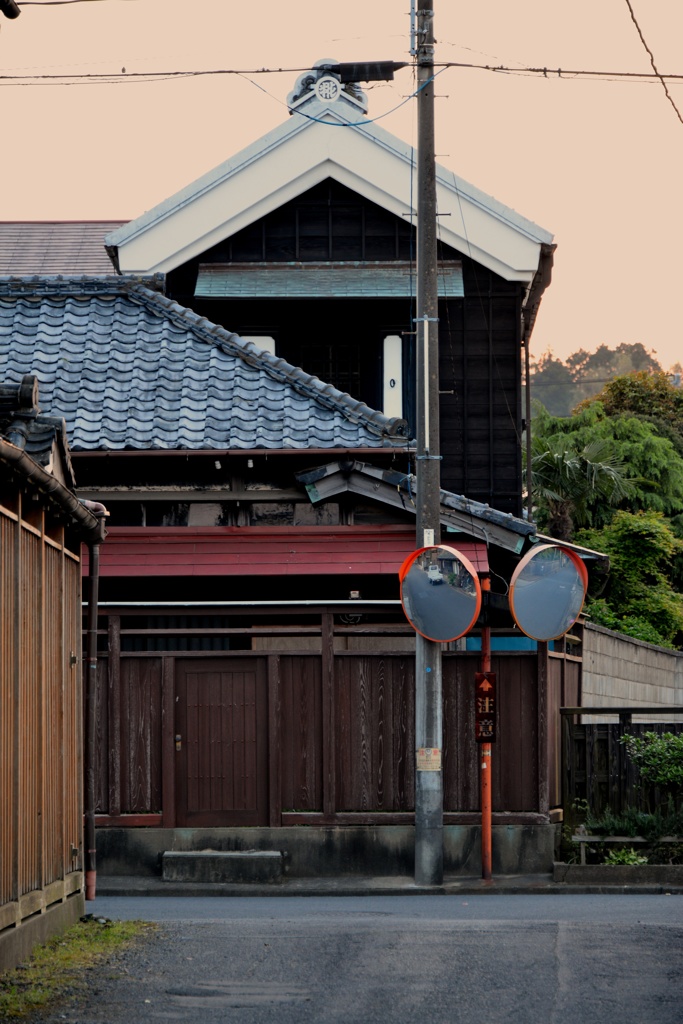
[[596, 162]]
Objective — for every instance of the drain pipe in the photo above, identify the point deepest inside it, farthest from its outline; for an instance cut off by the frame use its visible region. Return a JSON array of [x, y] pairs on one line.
[[100, 512]]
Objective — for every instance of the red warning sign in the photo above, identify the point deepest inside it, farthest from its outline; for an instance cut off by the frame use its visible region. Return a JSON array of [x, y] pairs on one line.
[[485, 707]]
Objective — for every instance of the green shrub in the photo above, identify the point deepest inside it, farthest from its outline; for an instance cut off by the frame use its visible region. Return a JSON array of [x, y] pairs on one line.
[[659, 759], [633, 822]]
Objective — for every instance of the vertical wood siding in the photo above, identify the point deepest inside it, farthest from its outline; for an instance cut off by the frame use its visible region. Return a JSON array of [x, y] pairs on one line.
[[41, 809], [301, 734], [375, 728], [140, 735], [369, 748], [9, 745], [31, 766]]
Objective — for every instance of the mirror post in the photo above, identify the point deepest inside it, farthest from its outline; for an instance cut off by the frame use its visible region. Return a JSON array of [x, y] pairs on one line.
[[428, 676], [486, 751]]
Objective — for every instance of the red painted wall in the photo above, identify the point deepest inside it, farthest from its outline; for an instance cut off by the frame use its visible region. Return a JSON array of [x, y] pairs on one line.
[[257, 550]]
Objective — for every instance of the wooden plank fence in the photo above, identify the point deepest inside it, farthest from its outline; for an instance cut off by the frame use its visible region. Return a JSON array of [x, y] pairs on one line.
[[41, 804], [337, 725], [595, 765]]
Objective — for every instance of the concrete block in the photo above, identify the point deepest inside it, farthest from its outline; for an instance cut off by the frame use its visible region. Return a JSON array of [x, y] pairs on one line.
[[222, 866], [618, 874]]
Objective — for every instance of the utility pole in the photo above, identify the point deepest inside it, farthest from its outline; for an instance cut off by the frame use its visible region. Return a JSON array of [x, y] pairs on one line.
[[428, 678]]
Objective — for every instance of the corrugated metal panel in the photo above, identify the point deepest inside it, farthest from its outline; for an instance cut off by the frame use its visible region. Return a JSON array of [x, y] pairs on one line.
[[357, 280]]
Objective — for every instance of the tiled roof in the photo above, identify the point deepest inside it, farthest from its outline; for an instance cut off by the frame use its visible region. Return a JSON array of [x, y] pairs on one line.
[[130, 369], [55, 247], [22, 424]]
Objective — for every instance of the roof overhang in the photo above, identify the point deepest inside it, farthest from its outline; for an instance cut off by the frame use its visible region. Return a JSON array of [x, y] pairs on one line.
[[398, 490], [53, 493]]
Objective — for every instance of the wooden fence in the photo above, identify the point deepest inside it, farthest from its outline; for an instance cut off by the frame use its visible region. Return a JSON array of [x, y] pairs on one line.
[[332, 732], [41, 802], [596, 766]]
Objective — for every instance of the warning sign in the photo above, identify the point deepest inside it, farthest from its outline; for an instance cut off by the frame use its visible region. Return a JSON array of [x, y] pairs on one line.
[[428, 759], [485, 707]]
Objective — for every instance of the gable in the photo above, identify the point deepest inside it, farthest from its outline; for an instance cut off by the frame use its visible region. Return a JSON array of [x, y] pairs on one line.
[[327, 242], [324, 143]]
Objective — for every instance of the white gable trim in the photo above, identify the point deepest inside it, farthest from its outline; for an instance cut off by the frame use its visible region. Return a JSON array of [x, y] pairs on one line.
[[300, 154]]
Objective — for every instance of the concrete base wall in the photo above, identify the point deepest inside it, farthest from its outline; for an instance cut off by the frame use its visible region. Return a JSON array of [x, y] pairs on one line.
[[16, 944], [619, 874], [311, 852]]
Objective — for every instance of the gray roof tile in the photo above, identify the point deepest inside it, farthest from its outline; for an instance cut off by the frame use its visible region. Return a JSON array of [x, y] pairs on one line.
[[128, 368], [22, 424]]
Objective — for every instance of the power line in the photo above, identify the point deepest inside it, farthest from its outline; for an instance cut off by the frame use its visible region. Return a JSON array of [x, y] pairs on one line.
[[564, 73], [113, 77], [652, 61], [60, 3], [124, 75]]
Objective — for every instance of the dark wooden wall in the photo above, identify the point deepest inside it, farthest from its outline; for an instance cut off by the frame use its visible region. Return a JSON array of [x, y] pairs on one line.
[[339, 730], [41, 801], [340, 340]]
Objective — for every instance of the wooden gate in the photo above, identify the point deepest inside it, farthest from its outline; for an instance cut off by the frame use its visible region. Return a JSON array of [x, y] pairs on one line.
[[221, 742]]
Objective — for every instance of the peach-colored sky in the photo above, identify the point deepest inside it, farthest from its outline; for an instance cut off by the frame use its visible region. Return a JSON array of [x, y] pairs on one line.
[[597, 163]]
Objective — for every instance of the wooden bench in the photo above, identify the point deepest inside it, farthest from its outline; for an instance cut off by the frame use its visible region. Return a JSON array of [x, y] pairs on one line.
[[621, 841]]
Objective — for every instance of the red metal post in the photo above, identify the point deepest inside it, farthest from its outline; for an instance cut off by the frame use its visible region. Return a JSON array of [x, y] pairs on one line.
[[485, 750]]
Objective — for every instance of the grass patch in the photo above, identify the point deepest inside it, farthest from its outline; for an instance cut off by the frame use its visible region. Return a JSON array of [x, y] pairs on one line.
[[55, 970]]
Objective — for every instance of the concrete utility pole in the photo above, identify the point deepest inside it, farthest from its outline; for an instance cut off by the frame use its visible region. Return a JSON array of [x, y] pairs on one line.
[[428, 692]]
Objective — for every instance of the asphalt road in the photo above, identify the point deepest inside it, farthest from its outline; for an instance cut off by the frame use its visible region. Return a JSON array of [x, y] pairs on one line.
[[441, 959]]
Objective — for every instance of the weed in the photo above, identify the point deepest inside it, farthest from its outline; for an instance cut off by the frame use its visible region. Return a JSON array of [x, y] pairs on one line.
[[55, 970], [624, 856]]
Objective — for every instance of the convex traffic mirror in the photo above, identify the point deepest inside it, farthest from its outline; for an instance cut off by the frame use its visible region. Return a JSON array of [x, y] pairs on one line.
[[547, 591], [440, 592]]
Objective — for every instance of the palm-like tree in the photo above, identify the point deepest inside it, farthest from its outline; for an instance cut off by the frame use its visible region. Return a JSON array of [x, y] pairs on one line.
[[565, 483]]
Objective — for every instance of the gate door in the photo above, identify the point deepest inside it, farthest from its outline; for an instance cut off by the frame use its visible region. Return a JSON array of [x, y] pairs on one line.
[[221, 742]]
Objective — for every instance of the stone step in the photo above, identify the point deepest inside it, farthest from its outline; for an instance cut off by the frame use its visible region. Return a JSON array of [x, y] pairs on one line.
[[222, 866]]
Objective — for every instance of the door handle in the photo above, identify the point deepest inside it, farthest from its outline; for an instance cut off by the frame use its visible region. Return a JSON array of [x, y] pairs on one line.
[[178, 741]]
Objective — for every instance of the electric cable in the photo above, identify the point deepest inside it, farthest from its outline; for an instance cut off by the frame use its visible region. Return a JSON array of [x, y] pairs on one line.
[[652, 61]]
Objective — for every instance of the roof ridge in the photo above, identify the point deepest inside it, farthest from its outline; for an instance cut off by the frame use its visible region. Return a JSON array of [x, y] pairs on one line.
[[78, 284], [277, 367]]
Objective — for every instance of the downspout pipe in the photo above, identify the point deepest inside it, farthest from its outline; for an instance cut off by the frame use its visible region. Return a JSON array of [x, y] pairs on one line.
[[91, 700]]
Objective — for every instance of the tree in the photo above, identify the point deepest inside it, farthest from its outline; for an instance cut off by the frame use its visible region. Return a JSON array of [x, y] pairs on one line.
[[617, 460], [552, 384], [643, 394], [562, 386], [566, 482], [639, 598]]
